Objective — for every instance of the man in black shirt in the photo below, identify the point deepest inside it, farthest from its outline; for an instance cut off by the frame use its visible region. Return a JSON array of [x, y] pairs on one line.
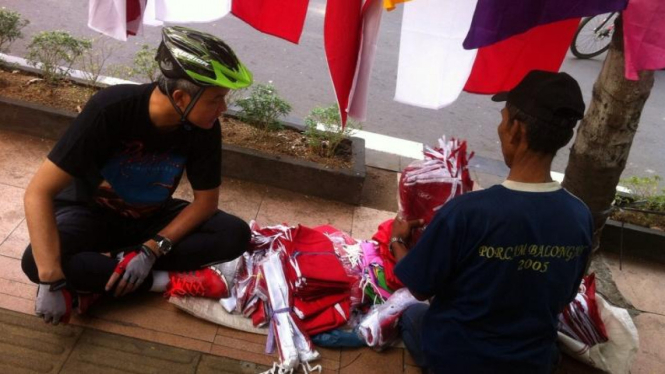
[[107, 187]]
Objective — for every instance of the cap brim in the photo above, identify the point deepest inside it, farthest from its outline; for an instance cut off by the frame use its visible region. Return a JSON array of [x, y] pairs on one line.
[[501, 96]]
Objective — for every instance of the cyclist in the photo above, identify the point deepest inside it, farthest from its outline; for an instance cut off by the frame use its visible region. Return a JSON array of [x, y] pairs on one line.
[[107, 187]]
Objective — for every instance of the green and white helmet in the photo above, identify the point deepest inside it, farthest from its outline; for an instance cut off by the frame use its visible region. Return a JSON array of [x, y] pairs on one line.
[[201, 58]]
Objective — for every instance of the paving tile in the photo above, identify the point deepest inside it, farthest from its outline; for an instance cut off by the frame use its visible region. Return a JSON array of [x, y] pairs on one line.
[[216, 364], [241, 198], [281, 206], [10, 269], [101, 352], [17, 304], [15, 244], [242, 355], [28, 345], [366, 221], [366, 361], [640, 282], [20, 157], [142, 333], [131, 312], [228, 332], [11, 209], [651, 356], [380, 190], [18, 289]]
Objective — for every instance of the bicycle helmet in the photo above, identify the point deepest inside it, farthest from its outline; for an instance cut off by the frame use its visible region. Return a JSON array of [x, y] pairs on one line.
[[201, 58]]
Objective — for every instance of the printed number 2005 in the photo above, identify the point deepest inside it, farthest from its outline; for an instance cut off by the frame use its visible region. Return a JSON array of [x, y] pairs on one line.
[[533, 265]]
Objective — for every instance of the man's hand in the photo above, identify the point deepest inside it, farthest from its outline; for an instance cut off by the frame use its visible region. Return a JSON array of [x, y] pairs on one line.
[[54, 302], [402, 228], [134, 268]]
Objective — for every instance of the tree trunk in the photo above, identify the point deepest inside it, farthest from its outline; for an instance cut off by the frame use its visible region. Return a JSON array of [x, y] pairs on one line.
[[606, 133]]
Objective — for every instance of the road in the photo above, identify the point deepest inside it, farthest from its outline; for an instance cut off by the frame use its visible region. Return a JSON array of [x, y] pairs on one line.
[[301, 76]]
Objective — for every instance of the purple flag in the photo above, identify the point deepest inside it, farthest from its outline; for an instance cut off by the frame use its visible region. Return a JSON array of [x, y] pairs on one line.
[[496, 20]]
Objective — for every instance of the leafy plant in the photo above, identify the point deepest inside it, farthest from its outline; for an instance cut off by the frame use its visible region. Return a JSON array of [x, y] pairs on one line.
[[324, 131], [54, 52], [11, 25], [94, 59], [145, 64], [646, 193], [263, 107]]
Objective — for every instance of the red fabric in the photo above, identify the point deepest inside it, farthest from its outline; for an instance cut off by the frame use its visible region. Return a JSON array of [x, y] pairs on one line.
[[133, 14], [383, 238], [283, 19], [259, 317], [305, 309], [313, 268], [581, 319], [501, 66], [327, 320], [341, 34]]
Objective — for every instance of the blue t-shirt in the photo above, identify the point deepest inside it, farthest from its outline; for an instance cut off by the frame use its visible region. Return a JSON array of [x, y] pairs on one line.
[[501, 264]]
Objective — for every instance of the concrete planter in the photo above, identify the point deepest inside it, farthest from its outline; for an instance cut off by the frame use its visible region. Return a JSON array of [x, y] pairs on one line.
[[638, 241], [286, 172]]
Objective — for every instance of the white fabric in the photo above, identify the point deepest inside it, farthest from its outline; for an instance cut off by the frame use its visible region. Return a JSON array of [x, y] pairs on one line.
[[370, 31], [615, 356], [109, 17], [149, 15], [211, 310], [433, 66], [188, 11], [531, 187]]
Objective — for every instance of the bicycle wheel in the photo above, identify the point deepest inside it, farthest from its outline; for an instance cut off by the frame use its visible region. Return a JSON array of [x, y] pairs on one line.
[[593, 36]]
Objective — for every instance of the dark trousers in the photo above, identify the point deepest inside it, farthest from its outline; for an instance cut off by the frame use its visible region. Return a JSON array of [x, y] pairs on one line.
[[88, 232]]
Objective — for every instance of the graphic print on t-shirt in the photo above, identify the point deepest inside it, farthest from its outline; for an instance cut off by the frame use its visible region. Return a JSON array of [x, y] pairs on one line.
[[137, 181]]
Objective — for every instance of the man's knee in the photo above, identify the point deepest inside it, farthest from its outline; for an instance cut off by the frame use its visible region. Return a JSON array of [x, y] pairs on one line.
[[237, 236], [29, 266]]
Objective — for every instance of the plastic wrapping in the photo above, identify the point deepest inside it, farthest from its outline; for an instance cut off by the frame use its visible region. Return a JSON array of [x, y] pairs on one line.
[[425, 186], [581, 320], [379, 327]]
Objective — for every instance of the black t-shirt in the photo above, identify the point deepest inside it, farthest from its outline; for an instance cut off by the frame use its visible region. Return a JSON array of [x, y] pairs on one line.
[[121, 161]]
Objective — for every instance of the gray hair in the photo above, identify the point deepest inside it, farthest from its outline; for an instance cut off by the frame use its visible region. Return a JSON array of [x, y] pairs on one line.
[[168, 85]]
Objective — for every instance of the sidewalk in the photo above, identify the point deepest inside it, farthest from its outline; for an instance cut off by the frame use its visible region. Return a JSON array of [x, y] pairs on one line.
[[145, 333]]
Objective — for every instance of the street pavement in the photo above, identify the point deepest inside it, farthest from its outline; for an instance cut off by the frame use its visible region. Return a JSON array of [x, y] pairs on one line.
[[301, 76]]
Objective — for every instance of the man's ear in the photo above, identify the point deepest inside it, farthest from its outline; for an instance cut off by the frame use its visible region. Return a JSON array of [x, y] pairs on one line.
[[516, 132], [181, 98]]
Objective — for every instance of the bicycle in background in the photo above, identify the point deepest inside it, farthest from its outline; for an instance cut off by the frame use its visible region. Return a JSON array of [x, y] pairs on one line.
[[593, 36]]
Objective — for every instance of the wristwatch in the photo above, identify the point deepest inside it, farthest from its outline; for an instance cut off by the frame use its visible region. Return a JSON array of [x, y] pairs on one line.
[[393, 240], [164, 244]]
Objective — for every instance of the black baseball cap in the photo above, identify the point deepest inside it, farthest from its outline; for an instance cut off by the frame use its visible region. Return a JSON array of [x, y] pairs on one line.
[[555, 98]]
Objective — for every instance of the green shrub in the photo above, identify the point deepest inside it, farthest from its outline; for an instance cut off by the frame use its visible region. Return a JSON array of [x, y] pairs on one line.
[[324, 130], [54, 52], [11, 25], [263, 107], [94, 60], [646, 193], [145, 64]]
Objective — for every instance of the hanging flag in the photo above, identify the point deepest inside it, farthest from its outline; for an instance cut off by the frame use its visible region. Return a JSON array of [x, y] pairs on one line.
[[341, 37], [191, 10], [644, 36], [116, 18], [371, 20], [433, 65], [497, 20], [501, 66], [283, 19]]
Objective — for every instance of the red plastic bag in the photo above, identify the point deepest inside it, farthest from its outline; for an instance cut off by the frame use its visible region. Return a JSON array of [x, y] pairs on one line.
[[425, 186], [580, 319]]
